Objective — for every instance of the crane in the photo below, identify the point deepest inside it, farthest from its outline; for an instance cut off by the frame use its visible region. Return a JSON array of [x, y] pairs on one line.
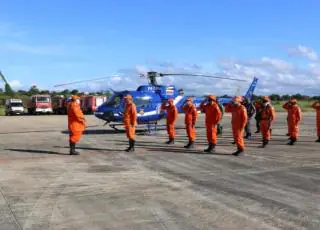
[[7, 88]]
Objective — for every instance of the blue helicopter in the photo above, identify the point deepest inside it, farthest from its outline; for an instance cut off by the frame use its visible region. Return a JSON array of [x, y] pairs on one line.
[[149, 98]]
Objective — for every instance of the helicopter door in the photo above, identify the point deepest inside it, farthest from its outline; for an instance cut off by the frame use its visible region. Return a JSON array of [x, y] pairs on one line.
[[143, 104]]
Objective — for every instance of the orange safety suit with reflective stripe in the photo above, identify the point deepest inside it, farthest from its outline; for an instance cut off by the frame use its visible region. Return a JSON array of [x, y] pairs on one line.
[[239, 120], [130, 120], [76, 122], [190, 121], [294, 118], [316, 106], [267, 117], [172, 116], [213, 117]]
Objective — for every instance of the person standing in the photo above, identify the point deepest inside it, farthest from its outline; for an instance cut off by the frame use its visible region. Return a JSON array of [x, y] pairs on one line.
[[251, 110], [239, 120], [172, 116], [219, 125], [316, 106], [267, 118], [191, 115], [130, 121], [294, 118], [213, 116], [257, 106], [76, 123]]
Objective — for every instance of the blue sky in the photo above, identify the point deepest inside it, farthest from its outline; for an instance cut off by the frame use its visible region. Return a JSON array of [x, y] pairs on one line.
[[50, 42]]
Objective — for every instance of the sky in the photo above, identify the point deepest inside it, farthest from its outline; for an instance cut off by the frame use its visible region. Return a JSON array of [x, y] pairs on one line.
[[45, 43]]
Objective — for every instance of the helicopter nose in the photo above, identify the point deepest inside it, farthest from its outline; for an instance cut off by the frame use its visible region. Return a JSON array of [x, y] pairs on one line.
[[104, 114]]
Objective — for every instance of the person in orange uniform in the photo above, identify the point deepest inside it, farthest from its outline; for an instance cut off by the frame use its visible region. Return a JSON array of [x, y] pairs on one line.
[[266, 118], [130, 121], [239, 120], [316, 106], [213, 116], [191, 115], [76, 123], [172, 115], [294, 118]]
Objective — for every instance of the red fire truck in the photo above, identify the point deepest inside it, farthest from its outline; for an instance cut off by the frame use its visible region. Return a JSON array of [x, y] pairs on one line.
[[39, 104], [59, 105], [89, 104]]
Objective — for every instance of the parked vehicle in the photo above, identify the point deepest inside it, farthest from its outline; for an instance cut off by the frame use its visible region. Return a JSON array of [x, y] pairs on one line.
[[89, 104], [39, 104], [59, 105], [14, 107]]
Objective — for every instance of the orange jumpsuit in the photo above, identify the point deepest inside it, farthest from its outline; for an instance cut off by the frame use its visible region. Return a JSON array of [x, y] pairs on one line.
[[213, 116], [294, 117], [190, 121], [239, 120], [130, 120], [172, 115], [316, 106], [267, 117], [76, 122]]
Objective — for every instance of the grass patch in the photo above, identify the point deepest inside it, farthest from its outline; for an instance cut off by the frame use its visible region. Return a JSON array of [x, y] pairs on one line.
[[2, 111], [305, 106]]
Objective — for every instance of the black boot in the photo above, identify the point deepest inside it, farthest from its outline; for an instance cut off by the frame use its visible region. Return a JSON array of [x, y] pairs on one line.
[[210, 149], [189, 145], [247, 136], [318, 140], [170, 142], [265, 143], [131, 146], [238, 152], [291, 142], [73, 148]]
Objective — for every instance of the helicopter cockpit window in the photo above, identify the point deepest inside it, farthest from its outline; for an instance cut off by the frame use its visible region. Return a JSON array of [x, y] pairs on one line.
[[114, 101], [142, 101]]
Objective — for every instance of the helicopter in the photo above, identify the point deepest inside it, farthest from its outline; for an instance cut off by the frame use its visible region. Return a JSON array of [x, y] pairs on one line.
[[149, 98]]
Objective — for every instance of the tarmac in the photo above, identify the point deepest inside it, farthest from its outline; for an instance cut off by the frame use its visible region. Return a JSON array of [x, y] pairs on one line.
[[158, 186]]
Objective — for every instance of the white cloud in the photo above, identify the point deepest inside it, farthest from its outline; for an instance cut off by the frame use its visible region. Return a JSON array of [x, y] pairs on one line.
[[304, 51], [15, 85]]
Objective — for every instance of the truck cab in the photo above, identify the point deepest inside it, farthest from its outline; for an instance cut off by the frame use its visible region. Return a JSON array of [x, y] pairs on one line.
[[14, 107], [40, 104]]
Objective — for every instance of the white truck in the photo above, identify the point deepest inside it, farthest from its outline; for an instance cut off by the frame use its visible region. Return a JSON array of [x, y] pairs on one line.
[[14, 107]]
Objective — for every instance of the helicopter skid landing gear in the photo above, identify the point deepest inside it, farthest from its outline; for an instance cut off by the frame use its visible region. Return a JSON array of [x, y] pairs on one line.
[[113, 126]]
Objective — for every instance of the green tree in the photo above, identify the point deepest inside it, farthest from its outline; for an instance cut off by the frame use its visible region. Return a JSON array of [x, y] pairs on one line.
[[33, 90]]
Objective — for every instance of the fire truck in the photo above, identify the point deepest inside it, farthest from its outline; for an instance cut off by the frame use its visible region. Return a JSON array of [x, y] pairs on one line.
[[59, 105], [39, 104], [89, 104]]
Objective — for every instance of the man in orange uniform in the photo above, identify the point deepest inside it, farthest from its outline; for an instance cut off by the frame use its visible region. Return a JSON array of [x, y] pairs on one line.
[[76, 123], [294, 118], [316, 106], [191, 115], [213, 116], [239, 120], [130, 121], [266, 118], [172, 115]]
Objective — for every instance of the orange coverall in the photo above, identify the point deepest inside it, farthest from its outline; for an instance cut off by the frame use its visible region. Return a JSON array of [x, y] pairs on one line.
[[172, 115], [316, 106], [213, 116], [130, 120], [76, 122], [294, 117], [238, 121], [190, 120], [267, 117]]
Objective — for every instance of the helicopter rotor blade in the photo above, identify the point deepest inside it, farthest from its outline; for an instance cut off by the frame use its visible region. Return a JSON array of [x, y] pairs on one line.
[[199, 75], [82, 81]]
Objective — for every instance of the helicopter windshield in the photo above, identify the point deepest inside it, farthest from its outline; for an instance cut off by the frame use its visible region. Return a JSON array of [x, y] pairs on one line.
[[113, 101]]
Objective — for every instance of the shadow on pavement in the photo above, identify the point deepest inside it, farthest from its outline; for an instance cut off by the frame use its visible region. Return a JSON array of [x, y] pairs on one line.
[[36, 151]]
